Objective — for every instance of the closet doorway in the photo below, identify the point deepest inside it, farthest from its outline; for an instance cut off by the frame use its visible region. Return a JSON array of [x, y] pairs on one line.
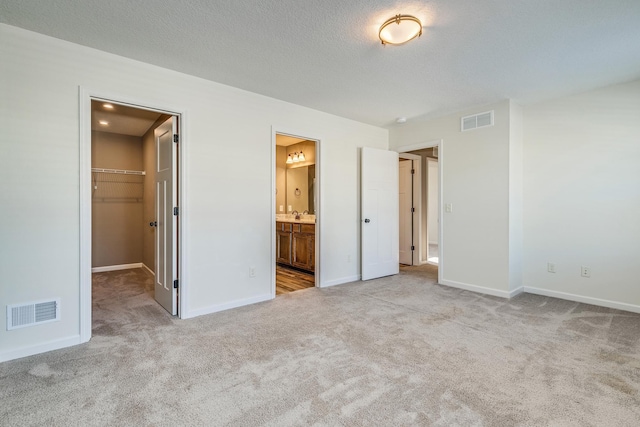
[[134, 199], [296, 203]]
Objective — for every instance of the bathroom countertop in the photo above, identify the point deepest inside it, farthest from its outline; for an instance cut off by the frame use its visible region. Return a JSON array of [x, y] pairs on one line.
[[304, 219]]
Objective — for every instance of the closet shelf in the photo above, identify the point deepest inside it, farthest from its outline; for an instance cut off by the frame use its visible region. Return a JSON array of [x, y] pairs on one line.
[[118, 171]]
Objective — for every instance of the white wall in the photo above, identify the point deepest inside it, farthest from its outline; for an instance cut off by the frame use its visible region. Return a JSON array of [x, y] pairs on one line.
[[559, 182], [582, 196], [475, 252], [228, 176]]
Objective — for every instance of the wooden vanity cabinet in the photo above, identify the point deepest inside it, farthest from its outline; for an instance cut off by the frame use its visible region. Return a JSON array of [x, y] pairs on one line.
[[296, 245], [303, 248], [283, 242]]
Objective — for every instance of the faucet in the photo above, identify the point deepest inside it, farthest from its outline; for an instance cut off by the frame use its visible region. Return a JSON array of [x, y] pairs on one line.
[[296, 213], [306, 212]]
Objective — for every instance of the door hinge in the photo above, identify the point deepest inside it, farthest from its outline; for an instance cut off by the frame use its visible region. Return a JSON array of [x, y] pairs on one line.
[[175, 137], [413, 171], [176, 211], [413, 248], [175, 284]]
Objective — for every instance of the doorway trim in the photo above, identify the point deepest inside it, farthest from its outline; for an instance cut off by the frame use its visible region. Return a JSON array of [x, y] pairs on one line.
[[86, 95], [296, 133], [430, 144], [416, 178]]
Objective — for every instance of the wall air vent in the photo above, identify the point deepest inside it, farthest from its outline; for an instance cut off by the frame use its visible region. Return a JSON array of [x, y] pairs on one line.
[[476, 121], [34, 313]]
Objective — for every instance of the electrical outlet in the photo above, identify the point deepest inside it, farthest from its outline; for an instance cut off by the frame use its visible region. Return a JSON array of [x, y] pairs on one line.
[[551, 267], [252, 272], [585, 271]]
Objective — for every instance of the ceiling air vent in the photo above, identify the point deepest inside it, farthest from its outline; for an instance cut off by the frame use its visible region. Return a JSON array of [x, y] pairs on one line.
[[35, 313], [476, 121]]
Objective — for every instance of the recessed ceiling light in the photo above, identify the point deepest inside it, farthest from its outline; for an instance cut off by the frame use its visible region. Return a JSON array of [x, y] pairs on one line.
[[401, 120], [108, 106], [400, 29], [104, 122]]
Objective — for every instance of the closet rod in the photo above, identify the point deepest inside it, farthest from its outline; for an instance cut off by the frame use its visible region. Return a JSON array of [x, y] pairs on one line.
[[118, 171]]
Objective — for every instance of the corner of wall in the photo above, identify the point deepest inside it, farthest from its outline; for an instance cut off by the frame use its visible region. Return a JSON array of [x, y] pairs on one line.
[[516, 173]]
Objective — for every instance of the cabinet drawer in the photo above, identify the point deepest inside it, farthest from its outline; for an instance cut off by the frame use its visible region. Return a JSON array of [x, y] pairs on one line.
[[307, 228], [283, 226]]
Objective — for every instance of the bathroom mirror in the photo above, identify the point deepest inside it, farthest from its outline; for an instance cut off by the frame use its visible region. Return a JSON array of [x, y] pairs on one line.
[[300, 189]]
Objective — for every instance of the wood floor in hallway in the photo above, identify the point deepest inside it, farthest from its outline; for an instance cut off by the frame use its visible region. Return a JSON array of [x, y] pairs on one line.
[[290, 280]]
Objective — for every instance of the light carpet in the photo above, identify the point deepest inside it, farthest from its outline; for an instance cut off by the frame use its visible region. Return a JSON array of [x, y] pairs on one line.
[[395, 351]]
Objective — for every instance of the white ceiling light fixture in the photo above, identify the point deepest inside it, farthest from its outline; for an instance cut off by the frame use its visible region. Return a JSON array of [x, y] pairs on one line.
[[108, 106], [400, 29]]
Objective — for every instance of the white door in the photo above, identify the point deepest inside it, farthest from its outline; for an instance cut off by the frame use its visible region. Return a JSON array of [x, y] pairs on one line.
[[406, 212], [166, 200], [379, 208]]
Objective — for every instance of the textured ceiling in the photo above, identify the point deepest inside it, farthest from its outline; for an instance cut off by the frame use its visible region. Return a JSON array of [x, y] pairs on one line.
[[325, 54]]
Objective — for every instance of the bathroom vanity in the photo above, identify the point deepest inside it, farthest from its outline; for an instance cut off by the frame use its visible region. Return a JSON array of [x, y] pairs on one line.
[[296, 243]]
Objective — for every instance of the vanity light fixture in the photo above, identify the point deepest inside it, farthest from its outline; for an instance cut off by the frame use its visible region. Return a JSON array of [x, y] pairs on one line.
[[296, 158], [400, 29]]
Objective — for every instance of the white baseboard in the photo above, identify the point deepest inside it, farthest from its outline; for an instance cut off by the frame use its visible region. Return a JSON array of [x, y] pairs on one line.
[[225, 306], [116, 267], [39, 348], [482, 289], [148, 269], [340, 281], [516, 292], [586, 300]]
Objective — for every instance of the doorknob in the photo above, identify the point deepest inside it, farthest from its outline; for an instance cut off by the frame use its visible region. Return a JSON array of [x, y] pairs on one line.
[[367, 220], [153, 224]]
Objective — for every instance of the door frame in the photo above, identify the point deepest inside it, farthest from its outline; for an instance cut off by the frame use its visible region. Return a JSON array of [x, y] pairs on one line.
[[86, 95], [437, 162], [297, 133], [416, 164], [405, 149]]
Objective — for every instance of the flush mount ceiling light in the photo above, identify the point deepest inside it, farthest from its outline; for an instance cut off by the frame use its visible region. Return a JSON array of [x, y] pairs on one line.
[[108, 106], [400, 29], [104, 122]]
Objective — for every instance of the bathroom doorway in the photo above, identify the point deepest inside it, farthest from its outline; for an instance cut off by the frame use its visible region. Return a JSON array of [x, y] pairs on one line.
[[296, 213]]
